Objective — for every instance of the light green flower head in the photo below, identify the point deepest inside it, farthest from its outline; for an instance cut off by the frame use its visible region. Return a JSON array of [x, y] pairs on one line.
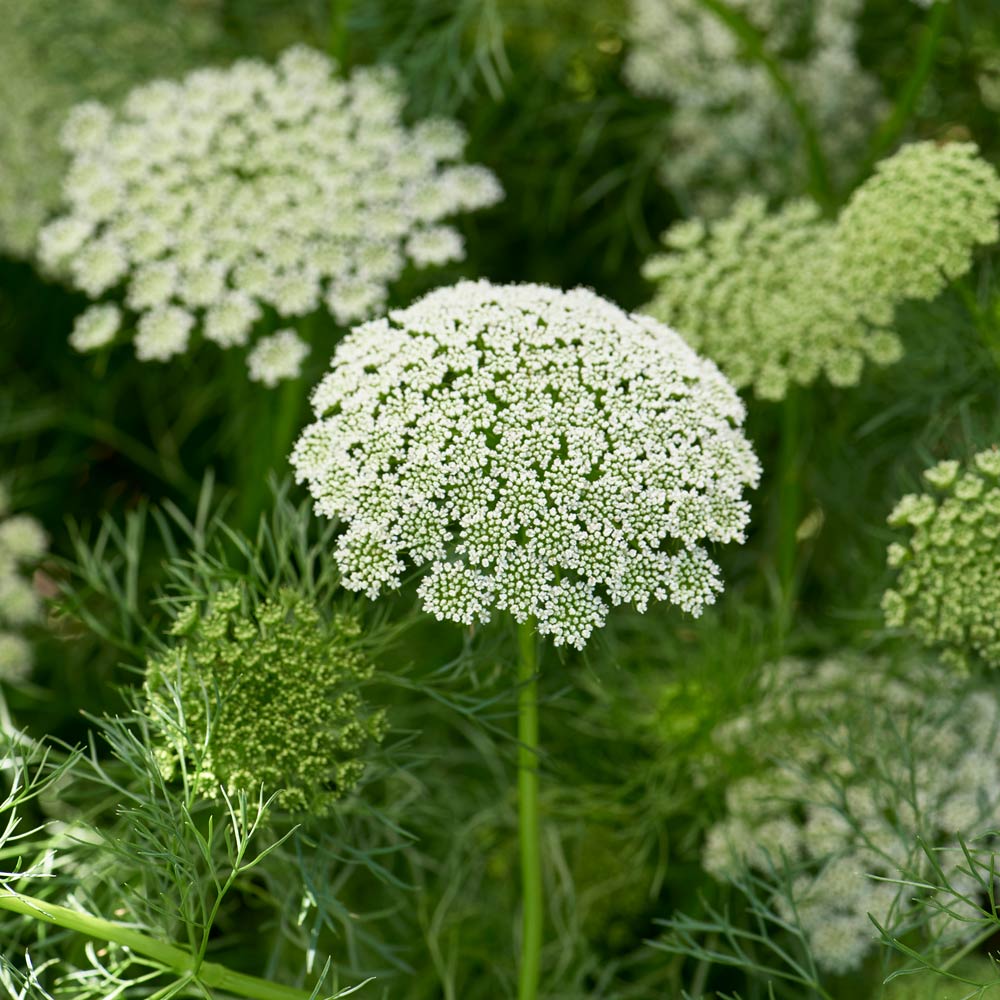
[[268, 697], [915, 225], [947, 588], [779, 298], [758, 293]]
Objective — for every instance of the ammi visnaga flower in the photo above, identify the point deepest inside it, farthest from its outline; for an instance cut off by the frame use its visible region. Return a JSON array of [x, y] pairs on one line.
[[538, 451], [267, 697], [208, 205]]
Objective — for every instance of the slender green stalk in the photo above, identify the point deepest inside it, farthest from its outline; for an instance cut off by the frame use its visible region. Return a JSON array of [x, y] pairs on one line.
[[985, 325], [755, 46], [902, 108], [179, 960], [337, 34], [788, 503], [527, 794]]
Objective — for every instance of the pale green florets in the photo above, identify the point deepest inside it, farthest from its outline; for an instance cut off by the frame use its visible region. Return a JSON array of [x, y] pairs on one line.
[[757, 293], [542, 452], [947, 589], [203, 202], [23, 544], [53, 55], [277, 357], [914, 225], [849, 762], [265, 698], [729, 125], [776, 299]]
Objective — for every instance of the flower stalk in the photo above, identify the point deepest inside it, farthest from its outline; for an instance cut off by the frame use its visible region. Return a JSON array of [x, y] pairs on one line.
[[172, 958], [528, 822]]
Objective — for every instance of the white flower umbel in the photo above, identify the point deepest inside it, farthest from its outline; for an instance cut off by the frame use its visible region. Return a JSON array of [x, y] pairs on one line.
[[201, 203], [539, 451], [729, 127], [277, 357], [849, 764]]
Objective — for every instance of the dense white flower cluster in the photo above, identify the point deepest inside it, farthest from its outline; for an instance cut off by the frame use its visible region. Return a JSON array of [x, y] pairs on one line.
[[203, 203], [22, 543], [541, 451], [729, 125], [53, 55], [848, 762], [779, 298], [948, 584]]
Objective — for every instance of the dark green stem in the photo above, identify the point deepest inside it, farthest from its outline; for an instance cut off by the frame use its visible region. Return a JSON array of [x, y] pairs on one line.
[[984, 323], [892, 128], [755, 46], [789, 501], [528, 825], [337, 38]]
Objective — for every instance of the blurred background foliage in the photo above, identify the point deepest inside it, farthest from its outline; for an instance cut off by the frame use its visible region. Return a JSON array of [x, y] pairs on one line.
[[91, 448]]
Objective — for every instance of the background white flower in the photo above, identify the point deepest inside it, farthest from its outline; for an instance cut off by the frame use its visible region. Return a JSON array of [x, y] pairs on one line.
[[201, 203], [541, 451]]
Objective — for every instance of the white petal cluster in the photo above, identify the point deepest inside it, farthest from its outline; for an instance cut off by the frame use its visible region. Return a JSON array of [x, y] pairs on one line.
[[539, 451], [778, 298], [277, 357], [22, 543], [729, 127], [199, 204], [848, 762]]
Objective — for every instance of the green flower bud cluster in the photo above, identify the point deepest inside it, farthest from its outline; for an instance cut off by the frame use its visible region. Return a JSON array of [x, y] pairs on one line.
[[947, 588], [847, 762], [22, 543], [267, 698], [779, 298]]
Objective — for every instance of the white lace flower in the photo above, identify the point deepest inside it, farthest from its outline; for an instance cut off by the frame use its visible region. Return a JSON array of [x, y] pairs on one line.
[[95, 327], [23, 543], [540, 451], [255, 187], [848, 762], [277, 357], [729, 127]]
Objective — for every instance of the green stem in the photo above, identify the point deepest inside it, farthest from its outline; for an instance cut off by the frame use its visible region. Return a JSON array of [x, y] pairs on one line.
[[337, 38], [528, 826], [985, 327], [788, 504], [902, 109], [754, 43], [179, 960]]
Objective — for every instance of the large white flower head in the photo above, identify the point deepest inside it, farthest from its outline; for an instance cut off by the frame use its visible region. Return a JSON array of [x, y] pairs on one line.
[[848, 762], [540, 451], [729, 126], [202, 205]]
